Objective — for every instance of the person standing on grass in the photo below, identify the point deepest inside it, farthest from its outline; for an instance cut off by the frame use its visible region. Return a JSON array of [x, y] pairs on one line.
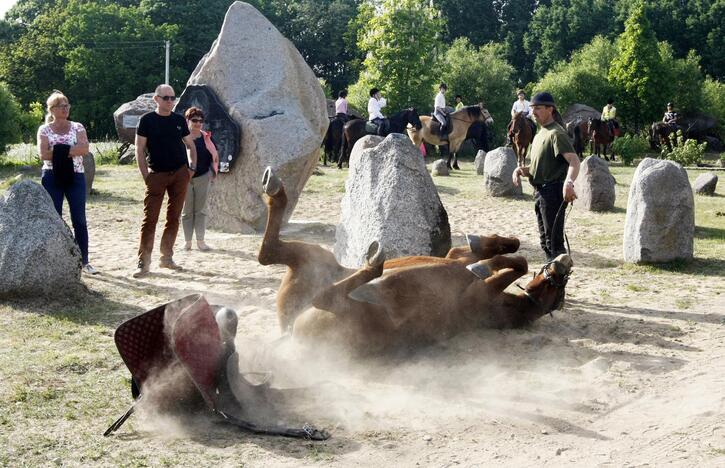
[[193, 217], [168, 170], [554, 168], [62, 144]]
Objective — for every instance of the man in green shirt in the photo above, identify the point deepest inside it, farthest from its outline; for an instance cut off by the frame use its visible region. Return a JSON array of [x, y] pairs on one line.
[[553, 170]]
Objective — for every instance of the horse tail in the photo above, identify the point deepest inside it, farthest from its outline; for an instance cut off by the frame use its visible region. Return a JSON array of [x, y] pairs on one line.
[[343, 150]]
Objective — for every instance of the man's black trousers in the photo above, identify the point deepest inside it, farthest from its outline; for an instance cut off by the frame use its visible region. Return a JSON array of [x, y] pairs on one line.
[[548, 199]]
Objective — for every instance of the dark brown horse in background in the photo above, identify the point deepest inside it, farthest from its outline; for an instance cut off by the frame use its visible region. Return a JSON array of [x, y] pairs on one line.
[[521, 136], [332, 143], [661, 134], [601, 137], [356, 129], [578, 130]]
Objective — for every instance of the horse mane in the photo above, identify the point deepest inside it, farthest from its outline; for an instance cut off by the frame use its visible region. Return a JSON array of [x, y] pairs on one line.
[[473, 111]]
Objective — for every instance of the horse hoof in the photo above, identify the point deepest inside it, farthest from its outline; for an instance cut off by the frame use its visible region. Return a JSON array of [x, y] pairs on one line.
[[480, 270], [474, 242], [270, 182], [455, 166], [375, 255]]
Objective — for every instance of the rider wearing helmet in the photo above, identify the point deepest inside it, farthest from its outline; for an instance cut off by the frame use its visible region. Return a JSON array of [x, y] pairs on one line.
[[670, 117], [609, 113]]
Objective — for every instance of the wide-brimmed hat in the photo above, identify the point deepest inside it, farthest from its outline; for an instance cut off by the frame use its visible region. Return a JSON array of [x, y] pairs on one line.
[[543, 99]]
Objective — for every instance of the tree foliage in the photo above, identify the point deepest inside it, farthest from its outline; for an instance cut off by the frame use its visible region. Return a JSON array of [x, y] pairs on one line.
[[480, 74], [401, 41], [10, 131], [476, 20]]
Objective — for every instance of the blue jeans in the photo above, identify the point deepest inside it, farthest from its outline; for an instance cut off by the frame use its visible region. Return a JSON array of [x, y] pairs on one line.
[[75, 193]]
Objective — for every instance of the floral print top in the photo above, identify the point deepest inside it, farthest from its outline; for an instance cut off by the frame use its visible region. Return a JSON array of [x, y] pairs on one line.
[[69, 138]]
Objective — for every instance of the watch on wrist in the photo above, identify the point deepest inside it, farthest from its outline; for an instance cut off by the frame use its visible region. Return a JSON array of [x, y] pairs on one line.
[[192, 168]]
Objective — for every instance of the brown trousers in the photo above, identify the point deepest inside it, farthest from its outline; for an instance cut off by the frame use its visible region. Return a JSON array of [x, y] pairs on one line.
[[157, 184]]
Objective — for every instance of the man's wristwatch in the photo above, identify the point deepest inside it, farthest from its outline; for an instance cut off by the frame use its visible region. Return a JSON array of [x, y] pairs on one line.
[[569, 182], [192, 168]]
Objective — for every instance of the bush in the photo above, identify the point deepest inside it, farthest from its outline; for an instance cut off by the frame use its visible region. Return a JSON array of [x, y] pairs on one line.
[[685, 152], [630, 147], [9, 125], [713, 95]]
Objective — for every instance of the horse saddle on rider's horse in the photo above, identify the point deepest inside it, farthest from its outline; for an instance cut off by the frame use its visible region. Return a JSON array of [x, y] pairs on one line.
[[371, 128], [437, 128], [189, 347]]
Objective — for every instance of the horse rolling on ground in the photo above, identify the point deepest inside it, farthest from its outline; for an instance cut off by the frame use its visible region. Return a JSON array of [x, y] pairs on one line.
[[461, 121], [600, 136], [405, 302], [522, 135], [355, 129]]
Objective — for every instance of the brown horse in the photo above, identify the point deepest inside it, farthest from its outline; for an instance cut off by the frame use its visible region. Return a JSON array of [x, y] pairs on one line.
[[522, 134], [460, 122], [416, 300], [661, 134], [579, 131], [600, 136]]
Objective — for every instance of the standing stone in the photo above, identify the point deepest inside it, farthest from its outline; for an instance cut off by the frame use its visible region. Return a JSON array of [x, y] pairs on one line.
[[479, 162], [89, 171], [660, 222], [390, 198], [126, 117], [579, 112], [274, 96], [705, 184], [37, 252], [595, 185], [439, 168], [497, 171]]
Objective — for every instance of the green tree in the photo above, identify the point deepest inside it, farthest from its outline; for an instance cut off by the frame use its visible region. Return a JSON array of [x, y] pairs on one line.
[[515, 16], [713, 96], [683, 80], [637, 71], [401, 42], [476, 20], [10, 131], [480, 74]]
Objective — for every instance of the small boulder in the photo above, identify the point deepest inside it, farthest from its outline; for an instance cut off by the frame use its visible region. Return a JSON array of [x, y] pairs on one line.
[[89, 171], [498, 168], [705, 184], [439, 168], [390, 198], [479, 162], [579, 112], [660, 221], [127, 116], [595, 185], [38, 255]]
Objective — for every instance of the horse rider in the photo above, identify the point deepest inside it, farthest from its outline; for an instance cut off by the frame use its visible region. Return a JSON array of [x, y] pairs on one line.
[[554, 168], [521, 105], [671, 117], [439, 110], [341, 106], [375, 104], [609, 113], [459, 102]]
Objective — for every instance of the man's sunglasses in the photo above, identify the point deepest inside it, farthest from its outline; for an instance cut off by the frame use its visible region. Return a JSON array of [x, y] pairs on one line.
[[197, 120], [168, 98]]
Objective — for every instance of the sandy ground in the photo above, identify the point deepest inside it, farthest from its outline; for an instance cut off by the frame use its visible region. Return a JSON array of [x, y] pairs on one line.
[[631, 372]]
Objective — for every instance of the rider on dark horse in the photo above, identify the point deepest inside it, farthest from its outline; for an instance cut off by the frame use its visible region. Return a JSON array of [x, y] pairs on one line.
[[440, 112], [521, 105], [671, 117], [341, 106], [609, 114], [375, 116]]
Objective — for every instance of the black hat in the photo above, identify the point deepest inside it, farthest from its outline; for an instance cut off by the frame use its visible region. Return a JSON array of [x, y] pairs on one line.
[[374, 91], [610, 101], [669, 104], [444, 86], [543, 99]]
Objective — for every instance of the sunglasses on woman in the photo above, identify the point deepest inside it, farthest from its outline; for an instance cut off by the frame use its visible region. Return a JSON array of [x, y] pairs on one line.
[[197, 120]]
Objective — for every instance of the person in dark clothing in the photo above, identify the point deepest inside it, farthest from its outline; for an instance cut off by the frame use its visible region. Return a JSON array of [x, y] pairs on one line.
[[168, 170], [193, 217], [554, 168]]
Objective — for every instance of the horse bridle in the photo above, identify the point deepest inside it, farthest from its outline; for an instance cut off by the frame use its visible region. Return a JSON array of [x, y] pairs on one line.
[[558, 283]]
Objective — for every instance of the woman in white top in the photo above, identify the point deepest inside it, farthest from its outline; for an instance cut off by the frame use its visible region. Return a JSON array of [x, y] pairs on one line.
[[59, 130], [521, 105], [375, 104]]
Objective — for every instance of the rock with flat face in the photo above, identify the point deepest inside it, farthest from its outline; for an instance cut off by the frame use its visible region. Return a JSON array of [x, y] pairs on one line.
[[705, 184], [660, 222], [439, 168], [275, 98], [497, 171], [595, 185], [390, 198], [479, 162], [126, 117], [38, 255]]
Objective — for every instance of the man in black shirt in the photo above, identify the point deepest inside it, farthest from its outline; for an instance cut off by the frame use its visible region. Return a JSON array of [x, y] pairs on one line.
[[168, 169]]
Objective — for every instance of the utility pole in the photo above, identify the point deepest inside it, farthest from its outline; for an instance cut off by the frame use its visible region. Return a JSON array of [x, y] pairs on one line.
[[168, 54]]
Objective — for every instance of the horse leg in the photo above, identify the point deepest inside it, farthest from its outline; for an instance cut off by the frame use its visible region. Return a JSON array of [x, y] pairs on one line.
[[483, 247], [502, 271], [343, 150]]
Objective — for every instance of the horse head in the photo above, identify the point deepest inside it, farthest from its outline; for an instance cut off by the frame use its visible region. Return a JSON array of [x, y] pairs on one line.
[[479, 113], [413, 118], [548, 287]]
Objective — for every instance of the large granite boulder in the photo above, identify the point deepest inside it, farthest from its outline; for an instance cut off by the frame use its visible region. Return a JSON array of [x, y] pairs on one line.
[[705, 184], [595, 185], [497, 171], [479, 162], [269, 90], [126, 117], [89, 171], [660, 222], [38, 255], [439, 168], [390, 198], [579, 112]]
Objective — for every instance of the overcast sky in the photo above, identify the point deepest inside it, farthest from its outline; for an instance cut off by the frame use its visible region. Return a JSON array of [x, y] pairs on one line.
[[5, 6]]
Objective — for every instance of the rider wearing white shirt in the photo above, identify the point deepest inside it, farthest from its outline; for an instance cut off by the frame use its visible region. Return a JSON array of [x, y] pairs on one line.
[[521, 105], [439, 108], [375, 104]]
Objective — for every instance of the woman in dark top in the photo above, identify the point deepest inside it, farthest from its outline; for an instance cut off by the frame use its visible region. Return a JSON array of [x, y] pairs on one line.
[[193, 217]]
